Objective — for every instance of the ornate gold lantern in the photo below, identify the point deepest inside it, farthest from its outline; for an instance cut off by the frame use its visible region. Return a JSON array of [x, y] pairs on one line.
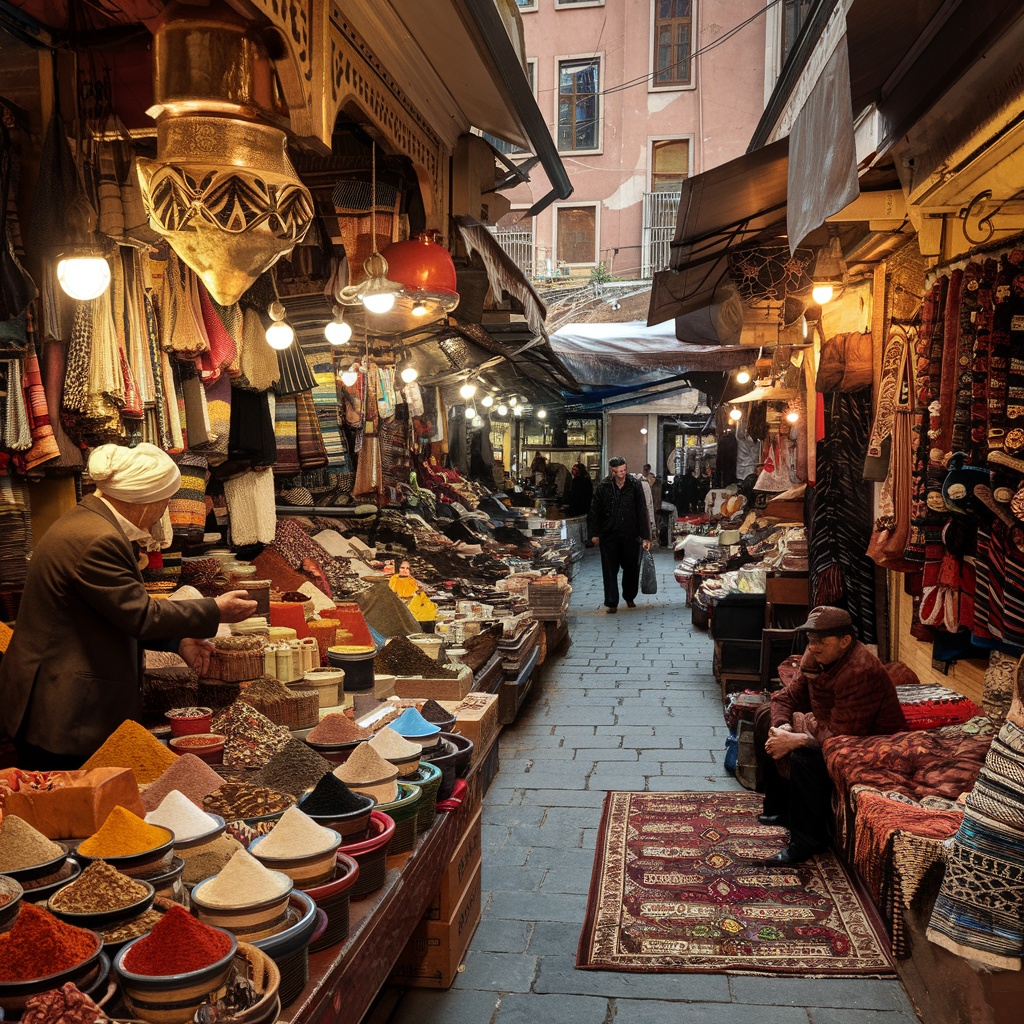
[[222, 190]]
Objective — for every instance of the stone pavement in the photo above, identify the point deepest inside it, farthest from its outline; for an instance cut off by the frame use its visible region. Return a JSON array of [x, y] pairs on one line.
[[632, 704]]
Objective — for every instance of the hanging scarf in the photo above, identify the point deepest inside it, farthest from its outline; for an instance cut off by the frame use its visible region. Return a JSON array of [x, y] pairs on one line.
[[257, 361], [44, 444], [223, 349], [310, 442], [286, 431]]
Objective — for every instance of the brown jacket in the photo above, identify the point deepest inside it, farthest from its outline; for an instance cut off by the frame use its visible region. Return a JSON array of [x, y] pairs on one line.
[[73, 670]]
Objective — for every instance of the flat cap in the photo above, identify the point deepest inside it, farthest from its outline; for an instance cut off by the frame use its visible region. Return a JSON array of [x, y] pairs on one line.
[[828, 621]]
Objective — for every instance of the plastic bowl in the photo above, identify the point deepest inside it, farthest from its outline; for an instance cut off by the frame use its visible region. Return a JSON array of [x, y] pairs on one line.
[[189, 726], [371, 855]]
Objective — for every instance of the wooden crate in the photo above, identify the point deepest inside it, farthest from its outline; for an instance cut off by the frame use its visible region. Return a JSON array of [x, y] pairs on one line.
[[464, 862]]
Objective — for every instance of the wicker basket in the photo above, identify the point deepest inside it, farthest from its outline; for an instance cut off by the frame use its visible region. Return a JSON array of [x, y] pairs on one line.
[[237, 659], [300, 711], [215, 693], [166, 688]]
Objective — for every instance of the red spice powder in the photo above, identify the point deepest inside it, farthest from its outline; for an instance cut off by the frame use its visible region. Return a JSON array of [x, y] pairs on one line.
[[39, 945], [177, 945]]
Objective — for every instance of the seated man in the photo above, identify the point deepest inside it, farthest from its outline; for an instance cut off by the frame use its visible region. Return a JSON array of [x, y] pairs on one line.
[[842, 690]]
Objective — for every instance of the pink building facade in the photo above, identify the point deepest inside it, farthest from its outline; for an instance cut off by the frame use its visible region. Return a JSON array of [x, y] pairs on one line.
[[635, 108]]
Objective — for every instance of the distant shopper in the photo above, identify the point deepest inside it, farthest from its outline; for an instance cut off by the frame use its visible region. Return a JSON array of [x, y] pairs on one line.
[[581, 491], [619, 525]]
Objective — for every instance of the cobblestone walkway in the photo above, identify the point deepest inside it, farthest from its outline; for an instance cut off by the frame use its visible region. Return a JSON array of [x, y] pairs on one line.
[[632, 704]]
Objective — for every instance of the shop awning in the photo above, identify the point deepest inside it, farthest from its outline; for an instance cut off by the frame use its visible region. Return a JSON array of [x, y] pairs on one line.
[[742, 202]]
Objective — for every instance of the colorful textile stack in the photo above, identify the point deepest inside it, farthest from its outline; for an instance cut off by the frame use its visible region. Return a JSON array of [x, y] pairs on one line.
[[978, 912], [285, 429], [188, 506], [931, 707]]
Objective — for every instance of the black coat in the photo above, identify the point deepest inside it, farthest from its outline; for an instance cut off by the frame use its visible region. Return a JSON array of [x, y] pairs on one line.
[[619, 511], [581, 494]]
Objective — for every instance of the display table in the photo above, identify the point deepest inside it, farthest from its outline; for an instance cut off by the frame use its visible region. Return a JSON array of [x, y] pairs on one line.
[[345, 979]]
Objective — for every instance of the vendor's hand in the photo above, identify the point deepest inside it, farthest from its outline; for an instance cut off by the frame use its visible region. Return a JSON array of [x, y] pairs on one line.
[[235, 606], [781, 742], [196, 654], [647, 545], [595, 541]]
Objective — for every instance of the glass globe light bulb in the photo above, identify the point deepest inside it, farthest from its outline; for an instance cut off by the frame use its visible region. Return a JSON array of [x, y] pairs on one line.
[[518, 410], [379, 302], [409, 374], [477, 422], [542, 414], [822, 293], [349, 378], [467, 390], [735, 415], [470, 412], [643, 430], [743, 377], [792, 417], [84, 277], [502, 410], [487, 401], [280, 335], [419, 309], [338, 332]]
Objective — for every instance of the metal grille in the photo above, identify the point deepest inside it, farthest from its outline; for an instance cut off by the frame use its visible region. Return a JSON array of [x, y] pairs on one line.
[[660, 209], [519, 246]]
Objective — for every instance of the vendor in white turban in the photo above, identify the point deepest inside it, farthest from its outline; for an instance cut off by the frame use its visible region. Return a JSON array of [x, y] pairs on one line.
[[72, 672]]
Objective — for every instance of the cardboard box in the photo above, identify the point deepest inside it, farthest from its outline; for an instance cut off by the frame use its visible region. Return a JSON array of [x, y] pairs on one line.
[[464, 862], [432, 955], [477, 720], [435, 689]]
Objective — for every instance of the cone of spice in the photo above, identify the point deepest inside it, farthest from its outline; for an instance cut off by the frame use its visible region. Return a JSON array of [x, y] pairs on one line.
[[433, 713], [190, 775], [367, 772], [242, 882], [401, 657], [123, 834], [209, 859], [181, 816], [251, 739], [337, 728], [178, 944], [414, 726], [397, 750], [21, 846], [332, 796], [39, 945], [98, 888], [132, 746], [294, 769], [244, 800], [296, 835]]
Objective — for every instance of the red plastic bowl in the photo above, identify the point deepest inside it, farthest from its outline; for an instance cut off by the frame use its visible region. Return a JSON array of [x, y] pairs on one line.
[[208, 747], [190, 726]]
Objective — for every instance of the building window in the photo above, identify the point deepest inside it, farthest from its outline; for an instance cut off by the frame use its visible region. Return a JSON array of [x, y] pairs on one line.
[[500, 144], [576, 235], [794, 14], [578, 3], [670, 164], [526, 5], [578, 104], [673, 42]]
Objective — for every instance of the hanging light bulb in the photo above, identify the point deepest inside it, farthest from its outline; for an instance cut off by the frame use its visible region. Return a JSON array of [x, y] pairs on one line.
[[85, 276], [822, 293], [279, 333], [337, 331], [467, 390], [828, 270], [793, 417], [743, 377], [409, 374], [419, 310], [350, 376], [735, 415], [487, 401], [502, 410], [470, 412], [518, 410], [477, 422], [542, 414]]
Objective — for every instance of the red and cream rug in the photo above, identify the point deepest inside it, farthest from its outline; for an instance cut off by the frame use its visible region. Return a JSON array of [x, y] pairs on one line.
[[674, 889]]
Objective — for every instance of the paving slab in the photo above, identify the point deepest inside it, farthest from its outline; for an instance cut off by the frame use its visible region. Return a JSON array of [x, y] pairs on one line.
[[556, 1009]]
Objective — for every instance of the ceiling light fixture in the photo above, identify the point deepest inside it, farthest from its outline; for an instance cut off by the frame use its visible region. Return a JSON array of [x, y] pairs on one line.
[[793, 417], [542, 414], [487, 401], [337, 331], [743, 377], [502, 410], [467, 390], [735, 415], [83, 272], [279, 334], [828, 271], [409, 374], [643, 430]]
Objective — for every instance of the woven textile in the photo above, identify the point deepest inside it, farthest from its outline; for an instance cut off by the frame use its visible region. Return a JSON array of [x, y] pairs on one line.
[[979, 910], [252, 428], [999, 679], [927, 706], [44, 444], [325, 402], [188, 506], [295, 374], [285, 430], [673, 891], [250, 499], [223, 348], [257, 360], [309, 441]]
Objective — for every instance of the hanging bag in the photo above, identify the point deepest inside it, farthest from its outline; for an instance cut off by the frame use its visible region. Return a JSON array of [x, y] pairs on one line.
[[648, 573]]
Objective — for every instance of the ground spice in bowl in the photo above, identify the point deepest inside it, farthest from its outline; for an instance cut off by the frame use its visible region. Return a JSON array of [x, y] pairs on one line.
[[22, 846], [332, 796], [98, 888], [296, 835], [178, 944], [401, 657], [39, 945], [181, 816], [132, 746], [123, 834], [393, 747], [128, 930], [337, 728], [412, 723], [294, 769], [435, 714], [244, 800], [250, 739], [365, 765], [190, 775], [207, 860], [242, 882]]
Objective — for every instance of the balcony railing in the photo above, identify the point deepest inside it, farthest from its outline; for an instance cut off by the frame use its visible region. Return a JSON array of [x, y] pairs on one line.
[[660, 209], [518, 245]]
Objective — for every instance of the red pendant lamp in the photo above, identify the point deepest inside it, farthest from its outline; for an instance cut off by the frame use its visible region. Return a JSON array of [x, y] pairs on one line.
[[427, 275]]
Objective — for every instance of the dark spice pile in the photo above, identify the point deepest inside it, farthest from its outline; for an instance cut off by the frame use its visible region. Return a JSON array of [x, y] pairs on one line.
[[332, 796], [337, 728], [244, 800], [293, 769], [401, 657], [434, 713], [99, 887]]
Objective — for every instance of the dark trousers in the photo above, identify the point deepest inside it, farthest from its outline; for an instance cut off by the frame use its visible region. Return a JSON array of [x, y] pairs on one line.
[[620, 553], [36, 759], [804, 799]]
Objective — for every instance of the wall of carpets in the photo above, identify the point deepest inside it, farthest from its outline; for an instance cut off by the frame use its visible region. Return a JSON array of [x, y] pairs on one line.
[[947, 443]]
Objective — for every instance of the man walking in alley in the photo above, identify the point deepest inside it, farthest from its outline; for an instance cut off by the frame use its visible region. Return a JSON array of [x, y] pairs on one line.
[[618, 525]]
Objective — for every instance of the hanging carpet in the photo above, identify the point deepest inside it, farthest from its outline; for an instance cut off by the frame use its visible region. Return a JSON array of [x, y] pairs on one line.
[[673, 890]]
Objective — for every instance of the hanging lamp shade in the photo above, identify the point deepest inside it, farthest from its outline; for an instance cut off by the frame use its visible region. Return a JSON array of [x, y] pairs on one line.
[[421, 265]]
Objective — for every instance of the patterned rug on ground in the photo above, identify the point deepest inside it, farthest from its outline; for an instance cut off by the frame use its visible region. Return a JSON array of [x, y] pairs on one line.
[[674, 890]]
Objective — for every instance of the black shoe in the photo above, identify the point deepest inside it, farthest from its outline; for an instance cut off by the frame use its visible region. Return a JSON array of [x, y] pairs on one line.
[[607, 609], [773, 819], [631, 604], [791, 854]]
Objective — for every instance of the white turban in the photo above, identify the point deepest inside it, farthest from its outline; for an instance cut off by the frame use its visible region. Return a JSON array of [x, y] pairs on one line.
[[140, 475]]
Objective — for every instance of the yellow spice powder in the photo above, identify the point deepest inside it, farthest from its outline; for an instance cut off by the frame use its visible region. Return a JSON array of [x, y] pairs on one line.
[[123, 834]]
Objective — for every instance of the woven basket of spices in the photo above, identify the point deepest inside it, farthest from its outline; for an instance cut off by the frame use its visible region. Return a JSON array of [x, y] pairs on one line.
[[215, 693], [167, 688], [237, 658], [294, 709]]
